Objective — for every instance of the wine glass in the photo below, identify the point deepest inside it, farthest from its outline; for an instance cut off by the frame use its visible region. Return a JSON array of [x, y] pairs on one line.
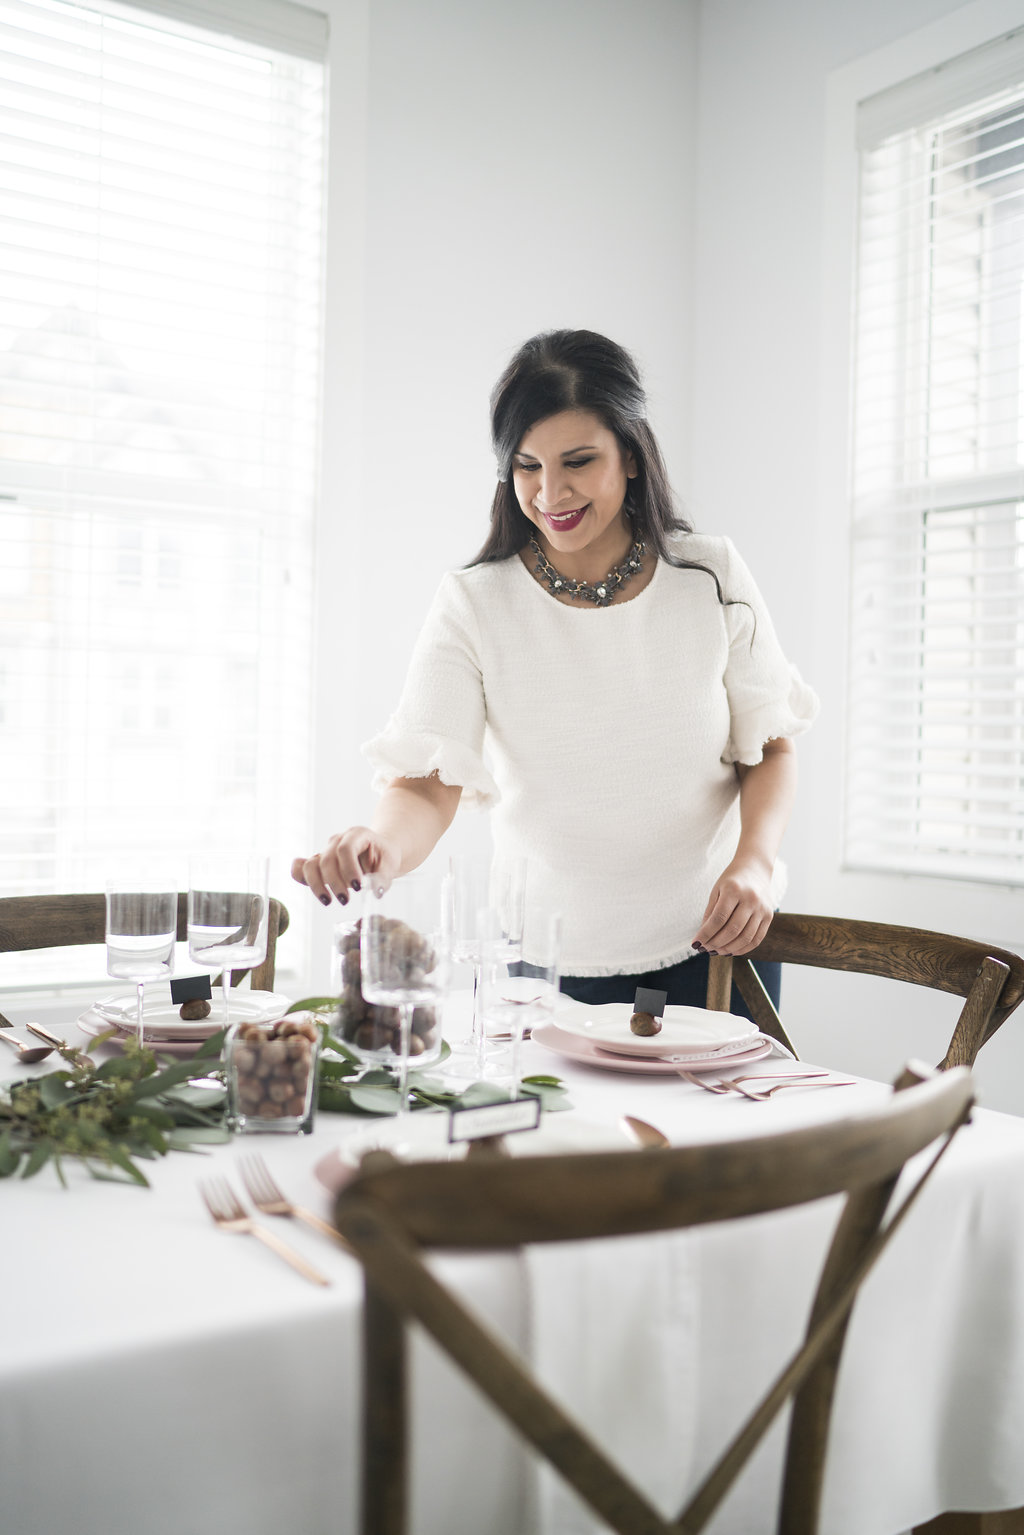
[[486, 896], [515, 998], [403, 954], [228, 914], [142, 924]]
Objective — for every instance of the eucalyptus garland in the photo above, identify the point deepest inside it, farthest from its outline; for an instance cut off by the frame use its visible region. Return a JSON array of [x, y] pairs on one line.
[[135, 1107]]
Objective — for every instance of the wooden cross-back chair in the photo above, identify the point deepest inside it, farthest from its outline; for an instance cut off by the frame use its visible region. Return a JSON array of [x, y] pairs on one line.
[[59, 921], [391, 1213], [990, 979]]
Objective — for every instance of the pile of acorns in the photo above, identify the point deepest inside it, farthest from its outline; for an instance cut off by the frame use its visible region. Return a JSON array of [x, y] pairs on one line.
[[272, 1068], [367, 1026]]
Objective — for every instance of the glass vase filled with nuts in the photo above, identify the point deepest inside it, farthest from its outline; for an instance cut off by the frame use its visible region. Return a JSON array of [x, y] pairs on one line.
[[271, 1075], [370, 1030]]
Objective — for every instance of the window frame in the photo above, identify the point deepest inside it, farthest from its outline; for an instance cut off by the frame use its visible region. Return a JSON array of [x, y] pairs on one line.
[[944, 903]]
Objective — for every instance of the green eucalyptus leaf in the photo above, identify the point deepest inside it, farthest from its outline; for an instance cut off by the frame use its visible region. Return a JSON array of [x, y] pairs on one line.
[[184, 1136], [101, 1039], [335, 1070], [153, 1115], [340, 1048], [377, 1076], [54, 1088], [9, 1158], [121, 1159], [375, 1100], [315, 1005], [541, 1080], [212, 1046], [115, 1066], [37, 1158], [171, 1076], [191, 1096], [334, 1099], [479, 1093]]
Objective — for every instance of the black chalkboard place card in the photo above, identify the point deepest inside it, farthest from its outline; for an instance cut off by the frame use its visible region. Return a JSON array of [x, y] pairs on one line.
[[191, 988], [649, 1001]]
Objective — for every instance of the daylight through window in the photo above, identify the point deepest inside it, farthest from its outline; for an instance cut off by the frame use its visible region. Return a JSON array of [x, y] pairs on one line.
[[936, 731], [160, 321]]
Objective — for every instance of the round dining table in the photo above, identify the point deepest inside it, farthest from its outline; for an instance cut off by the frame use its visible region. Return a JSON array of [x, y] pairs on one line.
[[159, 1376]]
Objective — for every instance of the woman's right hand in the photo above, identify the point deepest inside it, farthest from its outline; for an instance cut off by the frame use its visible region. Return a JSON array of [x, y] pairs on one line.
[[348, 860]]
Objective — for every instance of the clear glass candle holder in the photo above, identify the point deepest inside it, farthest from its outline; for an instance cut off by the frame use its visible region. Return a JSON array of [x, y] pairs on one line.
[[271, 1072], [370, 1031]]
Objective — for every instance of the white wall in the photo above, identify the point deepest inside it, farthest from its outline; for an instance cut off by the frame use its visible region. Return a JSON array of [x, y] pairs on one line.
[[655, 170], [497, 169], [769, 366]]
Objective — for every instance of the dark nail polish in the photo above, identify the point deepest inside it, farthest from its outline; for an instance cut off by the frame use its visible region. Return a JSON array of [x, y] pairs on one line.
[[325, 900], [698, 946], [343, 898], [356, 885]]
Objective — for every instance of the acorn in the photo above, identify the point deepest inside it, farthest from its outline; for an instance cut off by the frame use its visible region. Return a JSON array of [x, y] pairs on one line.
[[645, 1024], [196, 1008]]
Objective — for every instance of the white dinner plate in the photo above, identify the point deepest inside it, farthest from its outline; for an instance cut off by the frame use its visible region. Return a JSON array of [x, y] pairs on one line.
[[162, 1019], [585, 1050], [424, 1138], [684, 1030]]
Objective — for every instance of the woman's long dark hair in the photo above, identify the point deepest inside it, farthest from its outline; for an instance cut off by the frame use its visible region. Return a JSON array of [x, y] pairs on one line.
[[580, 370]]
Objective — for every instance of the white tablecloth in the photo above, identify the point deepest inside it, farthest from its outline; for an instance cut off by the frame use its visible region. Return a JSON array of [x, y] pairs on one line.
[[161, 1378]]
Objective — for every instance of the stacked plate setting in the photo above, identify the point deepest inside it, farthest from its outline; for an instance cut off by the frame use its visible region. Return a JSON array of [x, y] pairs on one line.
[[691, 1038], [164, 1025]]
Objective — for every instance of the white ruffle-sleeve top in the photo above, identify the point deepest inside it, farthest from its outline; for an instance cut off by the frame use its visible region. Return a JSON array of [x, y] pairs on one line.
[[602, 739]]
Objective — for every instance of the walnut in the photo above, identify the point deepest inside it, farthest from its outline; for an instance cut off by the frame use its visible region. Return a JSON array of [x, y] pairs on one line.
[[645, 1024], [196, 1008]]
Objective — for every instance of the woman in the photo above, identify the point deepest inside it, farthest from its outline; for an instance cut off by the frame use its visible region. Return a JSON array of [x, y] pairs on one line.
[[623, 672]]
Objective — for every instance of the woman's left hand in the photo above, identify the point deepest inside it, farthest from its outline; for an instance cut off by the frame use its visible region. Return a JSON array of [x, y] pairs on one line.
[[739, 911]]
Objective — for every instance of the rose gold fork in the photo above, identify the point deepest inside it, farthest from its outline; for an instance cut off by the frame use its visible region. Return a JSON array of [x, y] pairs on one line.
[[229, 1214], [732, 1084], [266, 1196], [762, 1097]]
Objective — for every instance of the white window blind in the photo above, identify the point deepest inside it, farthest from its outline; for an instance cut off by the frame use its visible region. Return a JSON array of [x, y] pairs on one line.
[[935, 762], [161, 188]]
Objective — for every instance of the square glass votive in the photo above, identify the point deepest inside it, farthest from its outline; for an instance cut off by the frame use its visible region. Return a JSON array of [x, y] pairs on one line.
[[271, 1072]]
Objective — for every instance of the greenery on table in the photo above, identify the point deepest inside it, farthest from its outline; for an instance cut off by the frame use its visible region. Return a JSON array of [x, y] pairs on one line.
[[347, 1086], [128, 1108], [135, 1107]]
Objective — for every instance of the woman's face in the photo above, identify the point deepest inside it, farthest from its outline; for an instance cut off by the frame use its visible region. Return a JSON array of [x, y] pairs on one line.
[[570, 475]]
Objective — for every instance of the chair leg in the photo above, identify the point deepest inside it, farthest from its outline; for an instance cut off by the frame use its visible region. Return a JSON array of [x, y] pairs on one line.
[[385, 1469], [719, 993]]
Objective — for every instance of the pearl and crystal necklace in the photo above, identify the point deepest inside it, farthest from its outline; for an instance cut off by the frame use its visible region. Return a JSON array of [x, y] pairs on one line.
[[603, 591]]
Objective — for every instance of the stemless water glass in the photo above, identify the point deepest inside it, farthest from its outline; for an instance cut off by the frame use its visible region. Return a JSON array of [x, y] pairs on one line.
[[142, 922], [403, 954], [493, 892], [516, 998], [228, 915]]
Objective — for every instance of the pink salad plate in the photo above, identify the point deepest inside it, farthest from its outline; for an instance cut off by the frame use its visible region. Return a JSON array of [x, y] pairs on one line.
[[577, 1049]]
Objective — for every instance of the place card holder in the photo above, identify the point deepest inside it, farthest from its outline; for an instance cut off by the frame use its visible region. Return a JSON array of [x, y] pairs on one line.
[[485, 1125]]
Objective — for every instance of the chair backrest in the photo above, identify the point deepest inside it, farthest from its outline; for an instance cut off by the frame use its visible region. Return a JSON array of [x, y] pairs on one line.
[[990, 979], [58, 921], [390, 1212]]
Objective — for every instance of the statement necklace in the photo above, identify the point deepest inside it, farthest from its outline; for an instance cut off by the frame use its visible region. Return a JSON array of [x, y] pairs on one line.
[[604, 591]]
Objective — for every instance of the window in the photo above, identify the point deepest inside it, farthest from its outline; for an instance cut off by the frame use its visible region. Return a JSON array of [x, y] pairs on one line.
[[935, 765], [160, 324]]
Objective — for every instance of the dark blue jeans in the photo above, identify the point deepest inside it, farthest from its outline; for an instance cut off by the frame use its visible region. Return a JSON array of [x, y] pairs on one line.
[[685, 982]]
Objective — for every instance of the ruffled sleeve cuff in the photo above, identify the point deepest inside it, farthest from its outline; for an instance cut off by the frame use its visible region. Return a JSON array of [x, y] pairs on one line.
[[418, 754], [787, 715]]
